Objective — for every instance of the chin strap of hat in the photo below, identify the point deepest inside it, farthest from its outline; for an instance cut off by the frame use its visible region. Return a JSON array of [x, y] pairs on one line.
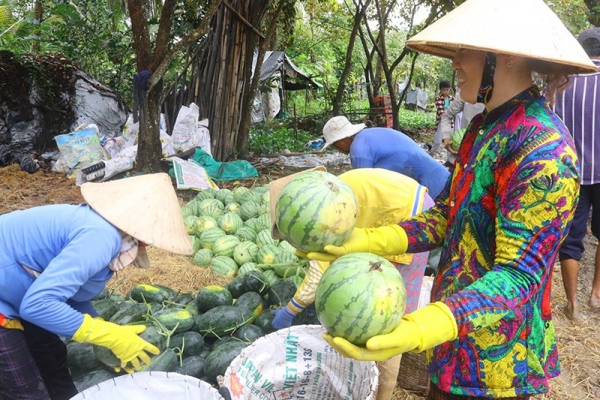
[[487, 79]]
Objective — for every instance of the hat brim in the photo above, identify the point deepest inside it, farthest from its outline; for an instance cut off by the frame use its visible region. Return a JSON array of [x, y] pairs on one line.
[[353, 130], [145, 207], [524, 28], [275, 188]]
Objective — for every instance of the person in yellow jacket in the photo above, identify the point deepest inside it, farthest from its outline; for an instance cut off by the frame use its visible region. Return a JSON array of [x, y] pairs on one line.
[[384, 197]]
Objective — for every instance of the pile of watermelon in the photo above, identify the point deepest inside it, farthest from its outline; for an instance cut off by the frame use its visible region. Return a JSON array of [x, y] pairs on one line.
[[231, 234], [199, 334]]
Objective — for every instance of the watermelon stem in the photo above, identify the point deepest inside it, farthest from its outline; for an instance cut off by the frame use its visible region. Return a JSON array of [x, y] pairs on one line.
[[376, 266]]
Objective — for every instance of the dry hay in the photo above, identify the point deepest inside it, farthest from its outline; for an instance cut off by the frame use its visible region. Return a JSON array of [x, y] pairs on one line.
[[20, 190], [579, 343], [174, 271]]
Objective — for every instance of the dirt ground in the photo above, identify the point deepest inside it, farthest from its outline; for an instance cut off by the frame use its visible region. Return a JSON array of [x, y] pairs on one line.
[[579, 342]]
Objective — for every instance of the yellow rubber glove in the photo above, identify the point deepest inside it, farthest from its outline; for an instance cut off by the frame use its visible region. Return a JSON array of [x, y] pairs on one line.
[[122, 340], [420, 330], [384, 241]]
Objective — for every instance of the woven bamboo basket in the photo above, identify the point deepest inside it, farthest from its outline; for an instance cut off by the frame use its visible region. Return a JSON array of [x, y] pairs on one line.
[[413, 373]]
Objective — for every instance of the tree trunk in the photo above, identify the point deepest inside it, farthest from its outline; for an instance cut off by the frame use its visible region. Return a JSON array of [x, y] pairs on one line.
[[149, 145], [339, 94], [226, 70]]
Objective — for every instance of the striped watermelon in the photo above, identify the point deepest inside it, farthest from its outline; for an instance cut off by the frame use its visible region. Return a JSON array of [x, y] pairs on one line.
[[359, 296], [245, 252], [209, 236], [249, 210], [247, 267], [246, 233], [203, 257], [264, 238], [238, 194], [204, 204], [267, 253], [230, 222], [205, 194], [224, 266], [225, 245], [224, 196], [316, 209], [232, 207]]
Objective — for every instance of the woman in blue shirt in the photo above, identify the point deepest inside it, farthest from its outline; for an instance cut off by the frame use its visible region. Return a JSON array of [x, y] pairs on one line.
[[56, 258]]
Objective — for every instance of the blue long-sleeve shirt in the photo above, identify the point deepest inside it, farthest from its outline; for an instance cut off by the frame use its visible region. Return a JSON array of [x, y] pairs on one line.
[[70, 247], [389, 149]]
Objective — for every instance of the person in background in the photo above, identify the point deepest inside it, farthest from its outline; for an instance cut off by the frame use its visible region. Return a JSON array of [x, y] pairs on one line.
[[383, 197], [579, 108], [56, 258], [488, 330], [385, 148], [467, 111], [442, 102]]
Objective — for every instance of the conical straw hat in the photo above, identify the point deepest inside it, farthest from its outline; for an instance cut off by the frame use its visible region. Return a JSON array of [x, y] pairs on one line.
[[145, 207], [525, 28]]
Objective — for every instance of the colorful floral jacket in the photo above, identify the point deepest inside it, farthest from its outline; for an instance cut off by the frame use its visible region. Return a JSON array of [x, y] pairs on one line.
[[500, 220]]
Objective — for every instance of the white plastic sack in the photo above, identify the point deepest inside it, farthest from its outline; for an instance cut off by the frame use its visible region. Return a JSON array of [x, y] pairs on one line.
[[296, 363], [184, 131], [203, 136], [425, 295], [151, 386]]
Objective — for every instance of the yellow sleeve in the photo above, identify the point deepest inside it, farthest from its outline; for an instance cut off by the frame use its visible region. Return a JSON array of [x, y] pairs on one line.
[[385, 198], [305, 295]]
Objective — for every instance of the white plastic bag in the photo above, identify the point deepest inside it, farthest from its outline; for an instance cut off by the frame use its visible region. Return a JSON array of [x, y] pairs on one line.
[[151, 386], [296, 363], [184, 130]]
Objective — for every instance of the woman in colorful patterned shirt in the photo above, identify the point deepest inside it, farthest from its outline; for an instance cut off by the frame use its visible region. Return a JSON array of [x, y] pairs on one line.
[[502, 215]]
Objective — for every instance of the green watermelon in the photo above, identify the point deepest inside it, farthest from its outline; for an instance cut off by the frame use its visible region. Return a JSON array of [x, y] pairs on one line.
[[245, 252], [209, 236], [264, 238], [267, 253], [196, 245], [251, 196], [246, 233], [230, 222], [190, 223], [247, 267], [224, 196], [232, 207], [225, 245], [316, 209], [249, 210], [212, 296], [212, 211], [203, 257], [359, 296], [224, 266], [205, 194], [238, 194], [203, 223], [208, 203]]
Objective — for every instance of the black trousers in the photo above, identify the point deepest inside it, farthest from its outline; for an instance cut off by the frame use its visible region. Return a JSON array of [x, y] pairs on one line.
[[33, 365]]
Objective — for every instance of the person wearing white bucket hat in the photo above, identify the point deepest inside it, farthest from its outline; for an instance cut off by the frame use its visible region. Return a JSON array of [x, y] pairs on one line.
[[488, 331], [385, 148], [56, 258]]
